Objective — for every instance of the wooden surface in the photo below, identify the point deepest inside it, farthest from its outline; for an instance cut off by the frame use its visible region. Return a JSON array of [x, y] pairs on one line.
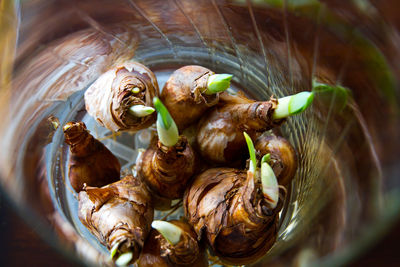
[[21, 246]]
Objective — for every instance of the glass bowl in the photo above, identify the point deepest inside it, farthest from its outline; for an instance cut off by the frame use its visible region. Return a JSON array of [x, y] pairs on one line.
[[345, 192]]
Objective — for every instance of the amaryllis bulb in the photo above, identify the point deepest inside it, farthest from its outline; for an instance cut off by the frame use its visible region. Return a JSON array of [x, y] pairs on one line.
[[235, 210], [220, 132], [219, 135], [191, 91], [90, 162], [119, 215], [236, 216], [115, 98], [227, 207], [169, 162]]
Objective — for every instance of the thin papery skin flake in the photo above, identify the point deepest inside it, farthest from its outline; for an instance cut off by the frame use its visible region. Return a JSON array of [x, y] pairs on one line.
[[90, 162], [187, 252], [184, 94], [226, 206], [118, 214], [109, 98]]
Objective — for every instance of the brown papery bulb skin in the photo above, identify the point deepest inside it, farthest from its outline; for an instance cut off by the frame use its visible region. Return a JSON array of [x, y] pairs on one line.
[[220, 133], [188, 252], [109, 98], [283, 156], [183, 94], [227, 207], [120, 213], [167, 170], [90, 162]]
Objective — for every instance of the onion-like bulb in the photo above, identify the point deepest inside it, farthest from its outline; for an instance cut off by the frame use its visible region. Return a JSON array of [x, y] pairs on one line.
[[219, 134], [90, 162], [166, 170], [190, 91], [121, 98], [168, 164], [119, 215], [235, 210], [225, 206]]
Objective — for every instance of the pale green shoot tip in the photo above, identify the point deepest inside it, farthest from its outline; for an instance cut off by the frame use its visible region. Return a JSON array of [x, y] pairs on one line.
[[269, 182], [266, 158], [124, 259], [135, 90], [169, 231], [252, 152], [141, 110], [293, 104], [218, 83]]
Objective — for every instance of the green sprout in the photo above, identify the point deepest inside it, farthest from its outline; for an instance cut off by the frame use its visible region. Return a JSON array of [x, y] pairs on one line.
[[252, 152], [218, 83], [141, 110], [266, 158], [124, 259], [169, 231], [293, 104], [270, 187], [135, 90], [166, 128]]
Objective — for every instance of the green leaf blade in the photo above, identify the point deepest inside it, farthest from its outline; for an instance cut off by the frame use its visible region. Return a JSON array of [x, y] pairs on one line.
[[252, 152], [167, 130], [163, 114], [336, 94]]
